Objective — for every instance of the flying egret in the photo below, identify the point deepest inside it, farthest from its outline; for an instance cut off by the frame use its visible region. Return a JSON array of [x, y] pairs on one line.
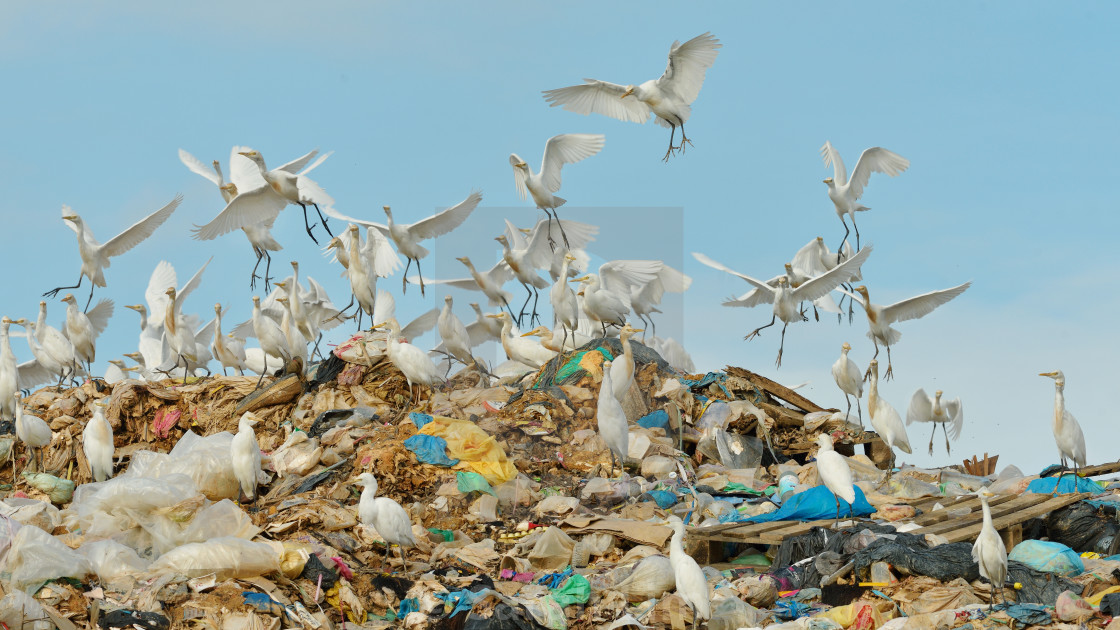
[[408, 236], [32, 431], [833, 470], [82, 329], [815, 259], [524, 351], [453, 333], [669, 97], [989, 551], [413, 362], [850, 381], [674, 354], [884, 419], [245, 456], [845, 192], [386, 516], [525, 256], [692, 586], [622, 368], [924, 408], [483, 328], [567, 148], [489, 282], [786, 299], [271, 339], [880, 318], [606, 295], [645, 299], [227, 349], [15, 376], [1067, 432], [611, 420], [97, 442], [95, 255]]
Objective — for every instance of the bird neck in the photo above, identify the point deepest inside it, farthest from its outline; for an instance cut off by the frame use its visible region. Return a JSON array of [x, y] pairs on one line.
[[987, 513], [369, 493], [169, 317], [873, 390], [217, 326], [1059, 408], [676, 544], [627, 351]]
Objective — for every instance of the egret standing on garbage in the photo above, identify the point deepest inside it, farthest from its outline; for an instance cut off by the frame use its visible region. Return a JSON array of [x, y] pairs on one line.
[[82, 329], [884, 419], [834, 472], [989, 551], [845, 192], [692, 586], [1067, 432], [849, 379], [669, 97], [245, 455], [97, 442], [924, 408], [409, 359], [612, 420], [567, 148], [622, 368], [32, 431], [386, 516]]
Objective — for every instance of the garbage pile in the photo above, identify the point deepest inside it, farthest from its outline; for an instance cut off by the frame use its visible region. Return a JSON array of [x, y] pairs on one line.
[[515, 520]]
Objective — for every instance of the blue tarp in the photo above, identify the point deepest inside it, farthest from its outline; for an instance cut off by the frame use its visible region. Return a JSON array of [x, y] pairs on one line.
[[430, 449], [813, 504], [1048, 556], [659, 418], [1070, 483]]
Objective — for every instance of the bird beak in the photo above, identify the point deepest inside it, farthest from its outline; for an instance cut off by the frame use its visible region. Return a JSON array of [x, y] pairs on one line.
[[580, 294], [827, 180], [376, 326], [70, 217], [1050, 374], [245, 153], [580, 279], [638, 330], [493, 316], [531, 333]]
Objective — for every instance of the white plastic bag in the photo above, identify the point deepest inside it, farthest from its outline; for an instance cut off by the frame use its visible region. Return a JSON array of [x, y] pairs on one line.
[[651, 578], [36, 557], [297, 455], [227, 557], [110, 560], [206, 460], [20, 610]]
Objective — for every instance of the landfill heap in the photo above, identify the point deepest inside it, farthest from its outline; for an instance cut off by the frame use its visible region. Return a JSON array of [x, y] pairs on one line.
[[519, 522]]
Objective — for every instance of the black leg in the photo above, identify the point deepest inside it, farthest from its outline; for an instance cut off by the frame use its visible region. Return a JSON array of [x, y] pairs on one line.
[[90, 299], [323, 220], [521, 313], [306, 224], [535, 315], [421, 276], [846, 232], [253, 276], [404, 277], [946, 432], [267, 271], [551, 241], [782, 346], [931, 438], [563, 234], [53, 292], [672, 135], [856, 227], [756, 331], [684, 139]]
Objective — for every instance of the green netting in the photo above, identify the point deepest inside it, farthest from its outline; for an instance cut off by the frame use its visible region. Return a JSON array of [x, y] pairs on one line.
[[566, 369]]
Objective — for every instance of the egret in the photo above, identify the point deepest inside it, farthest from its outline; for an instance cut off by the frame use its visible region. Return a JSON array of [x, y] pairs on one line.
[[850, 381], [297, 344], [611, 420], [567, 148], [669, 97], [227, 349], [483, 328], [692, 586], [833, 470], [32, 431], [54, 352], [845, 192], [387, 309], [607, 294], [525, 256], [409, 359], [524, 351], [116, 371], [548, 339], [989, 551], [530, 280], [1067, 432], [924, 408], [622, 368], [884, 419], [180, 337], [82, 329], [153, 340], [97, 442], [815, 259], [785, 298], [645, 299], [489, 282], [386, 516], [15, 376], [408, 236], [674, 354], [456, 340], [263, 203], [880, 318], [95, 255], [245, 456], [269, 336], [565, 307]]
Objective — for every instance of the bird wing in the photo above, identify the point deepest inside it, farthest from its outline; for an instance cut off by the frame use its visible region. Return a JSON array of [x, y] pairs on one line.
[[384, 306], [335, 214], [619, 275], [443, 222], [379, 254], [672, 280], [140, 230], [688, 63], [251, 207], [807, 260], [198, 167], [295, 165], [765, 293], [477, 333], [193, 283], [825, 283], [421, 325], [540, 252], [567, 148], [832, 158], [32, 374], [875, 160], [163, 278], [520, 176], [243, 172], [99, 315], [921, 305], [920, 409], [598, 97], [855, 296], [459, 283], [955, 408], [314, 165], [313, 193]]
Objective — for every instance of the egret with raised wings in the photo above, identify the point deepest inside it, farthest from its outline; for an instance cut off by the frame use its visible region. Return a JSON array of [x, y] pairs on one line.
[[490, 282], [884, 419], [926, 408], [82, 329], [564, 149], [525, 256], [845, 192], [607, 295]]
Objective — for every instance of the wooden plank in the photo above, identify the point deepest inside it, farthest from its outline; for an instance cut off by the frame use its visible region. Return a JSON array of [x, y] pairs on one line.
[[1016, 505], [777, 390], [1003, 522], [1101, 469], [934, 517]]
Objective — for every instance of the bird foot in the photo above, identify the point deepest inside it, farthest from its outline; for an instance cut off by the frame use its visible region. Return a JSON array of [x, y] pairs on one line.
[[778, 363], [890, 373], [754, 333], [669, 153], [867, 374], [684, 141], [313, 239]]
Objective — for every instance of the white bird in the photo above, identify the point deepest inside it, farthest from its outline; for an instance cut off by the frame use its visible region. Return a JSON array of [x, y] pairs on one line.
[[51, 349], [271, 339], [297, 344], [97, 442], [622, 368], [245, 456], [567, 148], [82, 329], [645, 299], [692, 586], [565, 306], [15, 376], [834, 473], [606, 295], [548, 339], [32, 431], [850, 380], [227, 349], [669, 97], [880, 318], [387, 309], [453, 333], [816, 258], [408, 236], [258, 361], [1067, 432], [924, 408], [884, 419], [413, 362], [386, 516], [489, 282], [483, 328], [524, 351], [117, 371], [845, 192], [526, 256], [611, 420], [989, 551], [261, 204], [674, 353], [180, 337], [95, 255], [785, 298]]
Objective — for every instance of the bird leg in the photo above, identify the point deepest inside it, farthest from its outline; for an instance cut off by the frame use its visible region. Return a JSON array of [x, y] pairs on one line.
[[781, 346], [551, 241], [306, 225], [404, 559], [867, 374], [672, 135], [684, 139], [837, 525], [90, 298], [388, 545], [521, 313], [563, 234], [421, 276], [53, 292], [323, 220], [253, 277], [890, 370], [859, 410], [946, 432], [931, 438], [535, 315], [758, 330], [267, 270], [846, 232], [857, 231]]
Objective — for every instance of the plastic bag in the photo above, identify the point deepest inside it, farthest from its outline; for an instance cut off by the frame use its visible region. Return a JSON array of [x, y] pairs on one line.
[[731, 449], [1083, 528], [731, 613], [170, 528], [758, 591], [575, 590], [474, 448], [20, 610], [517, 491], [1072, 609], [110, 560], [1051, 557], [468, 482], [36, 557], [205, 460], [556, 505], [31, 512], [58, 490], [651, 578], [297, 455], [8, 530], [553, 550], [226, 557]]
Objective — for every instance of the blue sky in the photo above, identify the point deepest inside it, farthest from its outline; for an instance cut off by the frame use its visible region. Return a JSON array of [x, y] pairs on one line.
[[1005, 110]]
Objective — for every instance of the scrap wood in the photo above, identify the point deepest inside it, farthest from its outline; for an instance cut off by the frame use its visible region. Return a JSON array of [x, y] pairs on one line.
[[981, 467], [777, 390], [639, 532], [279, 392]]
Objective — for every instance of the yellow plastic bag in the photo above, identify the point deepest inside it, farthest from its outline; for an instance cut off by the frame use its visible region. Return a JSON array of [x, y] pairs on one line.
[[861, 615], [473, 447]]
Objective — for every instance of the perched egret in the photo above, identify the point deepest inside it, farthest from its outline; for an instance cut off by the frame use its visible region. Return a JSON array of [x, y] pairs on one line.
[[32, 431], [524, 351], [884, 419], [227, 349], [245, 456], [386, 516], [850, 381], [1067, 432], [116, 371], [669, 97], [880, 318], [184, 345], [611, 420], [82, 329], [607, 294], [832, 468], [785, 298], [387, 309], [989, 551], [95, 255], [409, 359], [565, 307], [456, 340], [271, 339], [924, 408], [845, 192], [15, 376], [692, 586], [297, 344], [567, 148], [97, 442], [622, 368], [548, 339], [408, 236], [51, 349]]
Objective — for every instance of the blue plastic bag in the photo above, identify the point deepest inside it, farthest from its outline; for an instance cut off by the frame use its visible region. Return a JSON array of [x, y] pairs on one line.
[[1070, 483], [1048, 556], [814, 504], [430, 449]]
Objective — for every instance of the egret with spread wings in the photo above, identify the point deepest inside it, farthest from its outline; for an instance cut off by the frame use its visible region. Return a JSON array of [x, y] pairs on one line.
[[845, 192], [564, 149]]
